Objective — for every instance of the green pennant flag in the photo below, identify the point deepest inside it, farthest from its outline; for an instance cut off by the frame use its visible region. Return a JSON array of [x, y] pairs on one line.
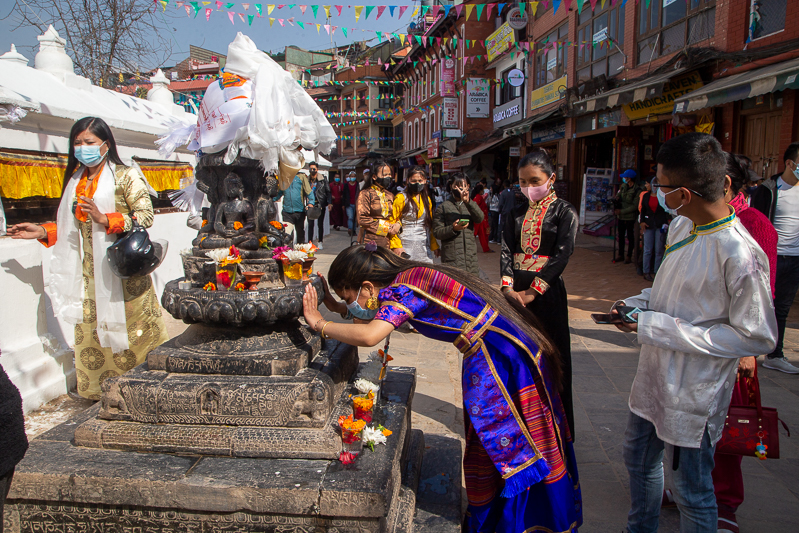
[[414, 65], [249, 18], [196, 7], [315, 9], [229, 5], [369, 10], [418, 39], [431, 39], [379, 36], [395, 36], [425, 9], [455, 42], [479, 10], [521, 9], [344, 30], [580, 6], [301, 24], [258, 8]]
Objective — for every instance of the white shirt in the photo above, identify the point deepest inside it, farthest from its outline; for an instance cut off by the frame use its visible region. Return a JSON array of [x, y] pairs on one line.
[[710, 304], [786, 218]]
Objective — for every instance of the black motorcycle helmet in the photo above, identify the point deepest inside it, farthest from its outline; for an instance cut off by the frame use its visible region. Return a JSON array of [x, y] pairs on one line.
[[134, 254]]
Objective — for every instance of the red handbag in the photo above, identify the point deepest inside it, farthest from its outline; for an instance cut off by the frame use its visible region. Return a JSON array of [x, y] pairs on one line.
[[746, 427]]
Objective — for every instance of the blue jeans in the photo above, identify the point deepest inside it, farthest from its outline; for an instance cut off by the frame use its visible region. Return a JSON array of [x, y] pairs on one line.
[[351, 218], [654, 241], [786, 283], [693, 483]]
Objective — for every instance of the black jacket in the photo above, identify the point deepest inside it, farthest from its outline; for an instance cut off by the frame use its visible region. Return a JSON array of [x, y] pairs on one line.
[[322, 192], [653, 219], [13, 441], [345, 196], [764, 199], [555, 241]]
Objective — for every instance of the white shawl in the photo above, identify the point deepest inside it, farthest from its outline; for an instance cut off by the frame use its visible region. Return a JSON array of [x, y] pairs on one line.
[[66, 271]]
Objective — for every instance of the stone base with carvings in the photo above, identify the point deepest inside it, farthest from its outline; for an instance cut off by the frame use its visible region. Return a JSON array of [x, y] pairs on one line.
[[63, 487]]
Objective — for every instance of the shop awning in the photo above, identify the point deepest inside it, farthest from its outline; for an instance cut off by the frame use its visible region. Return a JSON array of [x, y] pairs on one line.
[[764, 80], [523, 127], [464, 160], [31, 174], [350, 163], [648, 88]]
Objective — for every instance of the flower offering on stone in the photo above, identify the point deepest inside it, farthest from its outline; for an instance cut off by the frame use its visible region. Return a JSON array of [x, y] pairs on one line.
[[365, 386], [295, 255], [209, 286], [308, 248], [362, 408], [374, 435]]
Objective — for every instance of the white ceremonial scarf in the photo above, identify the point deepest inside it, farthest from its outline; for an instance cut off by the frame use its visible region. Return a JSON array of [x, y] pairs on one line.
[[66, 270]]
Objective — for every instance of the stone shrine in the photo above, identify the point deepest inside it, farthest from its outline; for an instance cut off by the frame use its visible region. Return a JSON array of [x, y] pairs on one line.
[[232, 425]]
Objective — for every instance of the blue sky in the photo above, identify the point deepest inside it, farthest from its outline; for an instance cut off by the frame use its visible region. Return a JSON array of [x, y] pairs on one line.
[[217, 33]]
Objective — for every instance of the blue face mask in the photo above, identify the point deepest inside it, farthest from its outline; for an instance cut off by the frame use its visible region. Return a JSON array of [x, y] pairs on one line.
[[89, 155], [338, 180], [359, 312], [796, 172], [662, 202], [751, 190]]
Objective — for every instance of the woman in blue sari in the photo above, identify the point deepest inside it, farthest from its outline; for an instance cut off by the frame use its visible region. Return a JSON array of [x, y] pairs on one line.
[[519, 463]]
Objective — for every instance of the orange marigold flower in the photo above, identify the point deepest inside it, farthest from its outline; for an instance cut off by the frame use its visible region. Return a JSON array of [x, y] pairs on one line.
[[386, 432], [240, 287], [362, 403], [346, 422], [205, 222], [237, 225], [209, 287], [276, 224]]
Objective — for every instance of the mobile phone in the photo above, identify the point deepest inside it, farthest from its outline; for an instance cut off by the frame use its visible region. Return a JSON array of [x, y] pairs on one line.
[[606, 318], [629, 314], [463, 222]]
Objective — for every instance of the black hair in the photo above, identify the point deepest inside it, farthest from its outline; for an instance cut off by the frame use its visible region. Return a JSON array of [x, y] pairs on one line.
[[695, 161], [97, 127], [355, 265], [738, 171], [478, 189], [314, 164], [505, 184], [367, 182], [537, 158], [425, 194], [792, 153]]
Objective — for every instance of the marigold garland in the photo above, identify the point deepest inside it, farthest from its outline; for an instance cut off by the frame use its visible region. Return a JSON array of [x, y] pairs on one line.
[[209, 287]]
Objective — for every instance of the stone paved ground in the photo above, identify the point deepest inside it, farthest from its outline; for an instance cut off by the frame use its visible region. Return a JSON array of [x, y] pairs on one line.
[[604, 362]]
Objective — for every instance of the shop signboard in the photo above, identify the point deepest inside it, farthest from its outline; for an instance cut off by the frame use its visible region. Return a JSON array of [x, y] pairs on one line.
[[549, 133], [450, 118], [601, 35], [478, 92], [436, 135], [514, 151], [452, 134], [499, 41], [516, 20], [432, 148], [508, 113], [445, 163], [448, 77], [551, 92], [664, 104], [516, 78]]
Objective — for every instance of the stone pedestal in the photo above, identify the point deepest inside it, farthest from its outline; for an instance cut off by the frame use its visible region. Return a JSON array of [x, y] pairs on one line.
[[63, 487]]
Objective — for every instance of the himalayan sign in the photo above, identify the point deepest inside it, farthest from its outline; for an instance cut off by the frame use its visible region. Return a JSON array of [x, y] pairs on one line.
[[664, 104], [448, 77], [499, 41], [547, 94], [450, 118], [477, 98]]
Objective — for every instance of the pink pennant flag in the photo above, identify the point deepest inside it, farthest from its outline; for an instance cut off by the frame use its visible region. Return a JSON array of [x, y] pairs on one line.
[[218, 4], [435, 10], [281, 22], [245, 6], [380, 10], [593, 5], [178, 4], [568, 4], [208, 13], [379, 60], [438, 40], [188, 11], [327, 28], [402, 11], [488, 11], [333, 30], [241, 16], [458, 10], [230, 15], [338, 8], [290, 21], [303, 8]]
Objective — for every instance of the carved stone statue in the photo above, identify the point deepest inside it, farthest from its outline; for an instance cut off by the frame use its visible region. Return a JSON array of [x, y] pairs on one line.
[[234, 223]]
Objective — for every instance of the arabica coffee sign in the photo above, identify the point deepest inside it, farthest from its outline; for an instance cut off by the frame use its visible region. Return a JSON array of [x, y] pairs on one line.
[[508, 113]]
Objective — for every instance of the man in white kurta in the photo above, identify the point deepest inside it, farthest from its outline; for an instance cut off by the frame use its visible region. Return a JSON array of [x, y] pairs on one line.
[[710, 305]]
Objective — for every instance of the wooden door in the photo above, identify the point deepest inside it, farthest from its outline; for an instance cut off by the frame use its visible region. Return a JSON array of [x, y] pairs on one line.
[[762, 142]]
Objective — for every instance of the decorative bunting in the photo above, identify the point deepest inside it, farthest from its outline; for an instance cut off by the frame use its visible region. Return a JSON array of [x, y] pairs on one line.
[[402, 10], [358, 10], [369, 10], [230, 15], [380, 10]]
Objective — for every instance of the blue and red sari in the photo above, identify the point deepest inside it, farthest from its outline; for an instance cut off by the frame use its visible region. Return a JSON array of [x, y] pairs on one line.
[[519, 466]]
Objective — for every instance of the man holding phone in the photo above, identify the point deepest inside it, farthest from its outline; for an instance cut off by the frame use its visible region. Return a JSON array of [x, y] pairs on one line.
[[450, 222], [710, 305]]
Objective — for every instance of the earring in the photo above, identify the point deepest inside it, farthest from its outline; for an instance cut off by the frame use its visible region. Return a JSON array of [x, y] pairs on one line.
[[371, 303]]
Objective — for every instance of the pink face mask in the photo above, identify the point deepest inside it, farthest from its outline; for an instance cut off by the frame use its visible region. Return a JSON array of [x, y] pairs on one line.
[[536, 193]]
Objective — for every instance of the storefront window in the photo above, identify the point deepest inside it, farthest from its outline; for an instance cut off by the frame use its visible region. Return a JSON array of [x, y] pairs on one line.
[[551, 65], [384, 101], [385, 134], [666, 26], [362, 138], [766, 17], [508, 92], [603, 30]]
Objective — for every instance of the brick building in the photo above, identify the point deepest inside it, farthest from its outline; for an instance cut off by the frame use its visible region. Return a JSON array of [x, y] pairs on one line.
[[638, 74]]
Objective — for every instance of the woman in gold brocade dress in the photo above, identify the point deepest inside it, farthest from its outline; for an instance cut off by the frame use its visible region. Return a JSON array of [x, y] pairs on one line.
[[117, 322]]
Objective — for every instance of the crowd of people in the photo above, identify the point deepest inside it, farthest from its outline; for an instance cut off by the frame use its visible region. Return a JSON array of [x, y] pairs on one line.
[[723, 257]]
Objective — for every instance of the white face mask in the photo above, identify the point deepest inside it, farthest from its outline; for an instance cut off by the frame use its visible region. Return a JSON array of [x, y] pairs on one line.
[[662, 201]]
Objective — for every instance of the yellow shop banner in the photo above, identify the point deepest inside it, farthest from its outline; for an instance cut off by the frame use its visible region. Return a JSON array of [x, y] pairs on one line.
[[664, 104]]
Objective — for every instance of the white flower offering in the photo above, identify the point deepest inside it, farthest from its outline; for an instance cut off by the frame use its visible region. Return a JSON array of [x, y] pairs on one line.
[[372, 436], [364, 386], [303, 247], [295, 255], [219, 254]]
